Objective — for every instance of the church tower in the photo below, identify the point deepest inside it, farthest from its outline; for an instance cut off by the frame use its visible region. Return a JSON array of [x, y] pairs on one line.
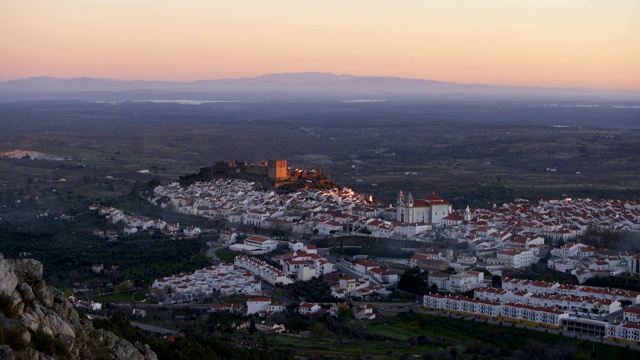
[[410, 200], [467, 214], [400, 200]]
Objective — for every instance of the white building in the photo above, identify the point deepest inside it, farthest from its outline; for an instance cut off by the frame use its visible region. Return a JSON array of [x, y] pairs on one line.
[[516, 259], [464, 282], [430, 210], [631, 314], [308, 308], [364, 312], [384, 275], [258, 305], [264, 243], [629, 333], [228, 237]]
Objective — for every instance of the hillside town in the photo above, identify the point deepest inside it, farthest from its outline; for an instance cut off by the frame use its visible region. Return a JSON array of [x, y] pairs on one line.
[[510, 236], [478, 244]]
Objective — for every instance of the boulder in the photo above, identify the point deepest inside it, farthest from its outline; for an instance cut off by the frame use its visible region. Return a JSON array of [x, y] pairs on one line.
[[67, 313], [146, 351], [29, 319], [16, 302], [33, 354], [124, 350], [45, 329], [39, 309], [6, 353], [58, 326], [59, 296], [27, 293], [43, 293], [28, 270], [121, 349], [8, 278]]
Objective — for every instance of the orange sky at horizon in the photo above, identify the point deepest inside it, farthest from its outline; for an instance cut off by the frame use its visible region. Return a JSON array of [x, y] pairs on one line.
[[559, 43]]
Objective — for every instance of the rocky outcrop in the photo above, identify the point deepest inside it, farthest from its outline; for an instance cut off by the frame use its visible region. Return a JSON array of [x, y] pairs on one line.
[[8, 278], [37, 322], [123, 349], [28, 270]]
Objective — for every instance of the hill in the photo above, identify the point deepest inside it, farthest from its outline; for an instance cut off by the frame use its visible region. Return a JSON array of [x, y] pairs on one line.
[[291, 86]]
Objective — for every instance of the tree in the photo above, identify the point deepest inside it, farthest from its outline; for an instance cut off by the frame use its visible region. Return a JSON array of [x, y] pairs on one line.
[[345, 313], [123, 286], [496, 281], [319, 330], [434, 288], [252, 327]]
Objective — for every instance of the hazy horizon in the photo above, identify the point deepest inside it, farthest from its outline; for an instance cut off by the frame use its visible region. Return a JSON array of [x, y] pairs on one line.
[[303, 73], [542, 43]]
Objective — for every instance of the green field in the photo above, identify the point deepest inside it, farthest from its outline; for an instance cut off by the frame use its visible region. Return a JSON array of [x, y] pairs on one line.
[[412, 334], [227, 255]]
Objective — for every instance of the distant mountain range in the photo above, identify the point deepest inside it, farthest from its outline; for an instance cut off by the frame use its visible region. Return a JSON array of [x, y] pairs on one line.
[[293, 85]]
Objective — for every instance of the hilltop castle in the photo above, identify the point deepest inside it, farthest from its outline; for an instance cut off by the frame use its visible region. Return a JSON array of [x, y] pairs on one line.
[[429, 211], [271, 174]]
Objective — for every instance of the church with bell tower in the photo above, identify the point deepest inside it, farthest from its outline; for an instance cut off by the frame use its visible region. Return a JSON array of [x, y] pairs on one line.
[[429, 211]]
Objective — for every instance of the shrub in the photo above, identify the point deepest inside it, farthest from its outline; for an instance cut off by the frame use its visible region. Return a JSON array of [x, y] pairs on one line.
[[12, 337], [6, 306], [47, 344]]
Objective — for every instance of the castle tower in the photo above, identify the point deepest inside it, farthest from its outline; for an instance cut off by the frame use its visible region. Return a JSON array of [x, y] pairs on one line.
[[277, 169]]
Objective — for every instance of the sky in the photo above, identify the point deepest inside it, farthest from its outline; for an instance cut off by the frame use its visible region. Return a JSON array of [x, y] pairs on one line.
[[558, 43]]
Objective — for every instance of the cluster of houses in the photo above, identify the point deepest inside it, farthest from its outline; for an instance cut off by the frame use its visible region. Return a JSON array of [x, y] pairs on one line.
[[552, 305], [344, 210], [238, 202], [343, 286], [303, 262], [556, 219], [364, 311], [375, 271], [133, 224], [544, 287], [325, 212], [223, 278], [586, 262], [261, 269], [527, 314], [264, 306], [512, 236], [77, 303], [569, 303], [497, 250]]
